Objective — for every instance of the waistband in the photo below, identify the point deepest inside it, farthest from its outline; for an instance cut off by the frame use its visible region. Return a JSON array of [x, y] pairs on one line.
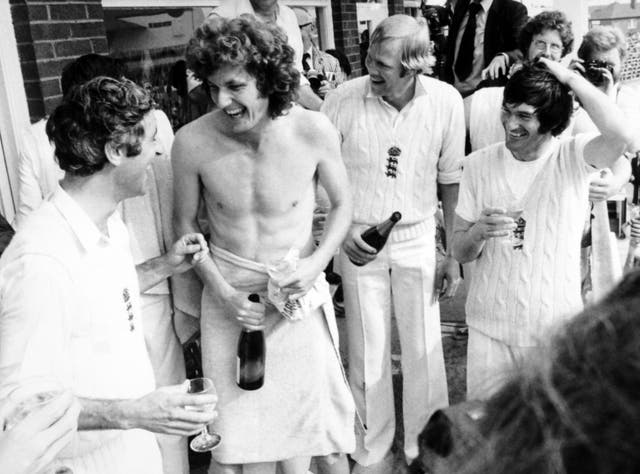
[[402, 232]]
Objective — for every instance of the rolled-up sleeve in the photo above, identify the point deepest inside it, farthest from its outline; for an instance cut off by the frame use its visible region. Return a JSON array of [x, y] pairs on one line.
[[452, 154]]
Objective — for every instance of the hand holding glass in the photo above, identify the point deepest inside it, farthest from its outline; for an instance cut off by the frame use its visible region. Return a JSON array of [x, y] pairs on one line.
[[205, 441]]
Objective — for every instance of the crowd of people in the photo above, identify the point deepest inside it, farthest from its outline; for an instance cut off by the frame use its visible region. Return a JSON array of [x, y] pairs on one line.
[[130, 241]]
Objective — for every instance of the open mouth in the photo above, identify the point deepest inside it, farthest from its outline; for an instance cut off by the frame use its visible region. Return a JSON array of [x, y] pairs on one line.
[[517, 134], [235, 112]]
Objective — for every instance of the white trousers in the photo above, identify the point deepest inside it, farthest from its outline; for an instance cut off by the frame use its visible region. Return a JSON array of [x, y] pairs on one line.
[[167, 360], [402, 275], [490, 363]]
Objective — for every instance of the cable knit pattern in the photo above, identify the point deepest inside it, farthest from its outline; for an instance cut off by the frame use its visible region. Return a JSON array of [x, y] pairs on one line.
[[429, 131], [517, 295]]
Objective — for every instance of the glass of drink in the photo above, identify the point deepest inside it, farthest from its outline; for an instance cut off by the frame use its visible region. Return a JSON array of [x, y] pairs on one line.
[[515, 237], [205, 441]]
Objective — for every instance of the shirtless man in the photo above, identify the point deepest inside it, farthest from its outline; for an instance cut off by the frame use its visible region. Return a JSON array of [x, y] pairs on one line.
[[256, 161]]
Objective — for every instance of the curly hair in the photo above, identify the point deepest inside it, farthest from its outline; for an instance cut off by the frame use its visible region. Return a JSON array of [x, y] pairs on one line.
[[258, 47], [602, 38], [100, 112], [548, 20], [534, 85]]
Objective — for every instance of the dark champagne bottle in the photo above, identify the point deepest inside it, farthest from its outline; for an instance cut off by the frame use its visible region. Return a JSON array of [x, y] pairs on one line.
[[377, 235], [251, 356]]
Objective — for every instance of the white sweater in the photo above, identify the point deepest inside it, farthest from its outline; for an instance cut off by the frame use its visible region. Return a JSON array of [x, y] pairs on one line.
[[517, 295]]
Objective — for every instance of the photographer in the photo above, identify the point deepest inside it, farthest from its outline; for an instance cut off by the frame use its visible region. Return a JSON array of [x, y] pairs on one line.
[[600, 59]]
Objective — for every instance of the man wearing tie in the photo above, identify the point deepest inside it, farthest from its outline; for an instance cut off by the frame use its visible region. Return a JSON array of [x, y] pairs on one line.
[[483, 42]]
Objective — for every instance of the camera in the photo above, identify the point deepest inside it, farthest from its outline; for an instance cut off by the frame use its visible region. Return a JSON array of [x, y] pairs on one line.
[[593, 71]]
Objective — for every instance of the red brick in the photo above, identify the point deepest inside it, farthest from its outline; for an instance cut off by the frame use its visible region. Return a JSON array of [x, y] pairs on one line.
[[36, 109], [38, 13], [51, 68], [50, 103], [74, 48], [50, 31], [100, 45], [51, 87], [25, 52], [43, 50], [19, 14], [95, 12], [32, 89], [87, 29], [29, 70], [22, 33], [69, 11]]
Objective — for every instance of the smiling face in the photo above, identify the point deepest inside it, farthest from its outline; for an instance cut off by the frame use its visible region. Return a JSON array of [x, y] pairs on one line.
[[522, 129], [547, 44], [235, 92], [131, 172], [386, 74]]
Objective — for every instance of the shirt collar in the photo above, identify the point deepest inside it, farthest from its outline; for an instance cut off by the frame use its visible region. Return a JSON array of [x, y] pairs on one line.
[[486, 4], [418, 92], [82, 226]]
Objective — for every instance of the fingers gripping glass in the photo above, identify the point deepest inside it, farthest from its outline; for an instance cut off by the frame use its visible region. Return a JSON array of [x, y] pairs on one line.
[[205, 441]]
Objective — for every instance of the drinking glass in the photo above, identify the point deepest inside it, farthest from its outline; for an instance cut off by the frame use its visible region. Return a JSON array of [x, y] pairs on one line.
[[205, 441], [29, 396]]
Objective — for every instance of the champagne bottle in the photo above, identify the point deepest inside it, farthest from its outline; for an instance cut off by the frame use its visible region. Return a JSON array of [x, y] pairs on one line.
[[377, 235], [251, 356]]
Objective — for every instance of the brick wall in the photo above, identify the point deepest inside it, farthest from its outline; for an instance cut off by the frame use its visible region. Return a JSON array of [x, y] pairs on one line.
[[345, 27], [50, 34], [396, 7]]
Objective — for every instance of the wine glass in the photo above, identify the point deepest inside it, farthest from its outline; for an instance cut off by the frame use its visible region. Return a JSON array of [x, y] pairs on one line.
[[205, 441], [29, 396]]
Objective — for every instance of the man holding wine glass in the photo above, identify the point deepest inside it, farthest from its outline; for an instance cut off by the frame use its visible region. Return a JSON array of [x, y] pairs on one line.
[[402, 142], [519, 294], [69, 292], [256, 161]]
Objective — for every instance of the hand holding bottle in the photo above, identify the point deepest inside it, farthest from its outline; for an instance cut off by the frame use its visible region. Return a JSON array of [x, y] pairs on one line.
[[357, 249], [248, 313]]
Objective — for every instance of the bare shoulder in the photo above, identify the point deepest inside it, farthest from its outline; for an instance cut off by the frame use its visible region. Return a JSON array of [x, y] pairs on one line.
[[314, 127], [192, 138]]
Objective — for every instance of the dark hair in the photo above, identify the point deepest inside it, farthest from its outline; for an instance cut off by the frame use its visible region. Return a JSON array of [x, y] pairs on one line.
[[602, 38], [577, 411], [548, 20], [534, 85], [345, 65], [100, 112], [260, 48], [89, 66]]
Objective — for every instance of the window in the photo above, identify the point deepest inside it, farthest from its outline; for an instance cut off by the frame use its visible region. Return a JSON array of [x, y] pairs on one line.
[[152, 40]]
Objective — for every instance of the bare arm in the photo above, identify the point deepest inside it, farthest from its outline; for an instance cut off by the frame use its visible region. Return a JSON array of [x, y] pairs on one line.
[[185, 252], [608, 184], [469, 237], [161, 411], [615, 134], [308, 99], [332, 175]]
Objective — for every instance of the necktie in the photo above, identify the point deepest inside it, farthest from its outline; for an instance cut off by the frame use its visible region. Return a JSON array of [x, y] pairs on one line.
[[464, 62]]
